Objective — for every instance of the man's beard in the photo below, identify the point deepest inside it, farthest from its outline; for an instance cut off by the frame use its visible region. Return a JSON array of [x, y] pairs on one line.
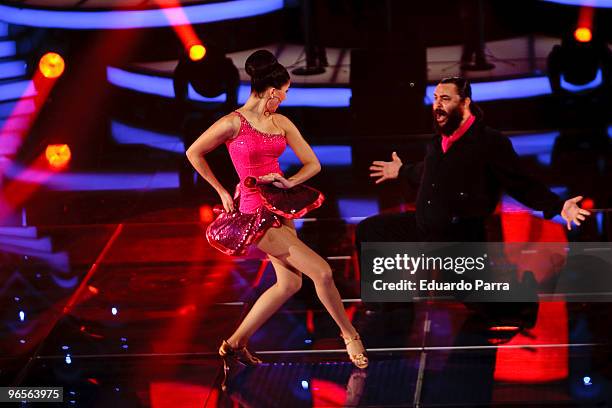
[[453, 120]]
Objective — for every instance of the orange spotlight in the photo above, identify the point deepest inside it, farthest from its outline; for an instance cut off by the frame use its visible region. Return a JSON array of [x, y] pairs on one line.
[[197, 52], [583, 34], [58, 155], [51, 65], [504, 328]]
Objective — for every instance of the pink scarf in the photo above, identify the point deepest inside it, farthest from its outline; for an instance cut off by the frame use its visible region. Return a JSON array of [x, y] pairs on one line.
[[447, 141]]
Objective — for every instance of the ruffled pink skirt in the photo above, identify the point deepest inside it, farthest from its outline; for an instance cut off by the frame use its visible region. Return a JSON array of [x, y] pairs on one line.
[[232, 233]]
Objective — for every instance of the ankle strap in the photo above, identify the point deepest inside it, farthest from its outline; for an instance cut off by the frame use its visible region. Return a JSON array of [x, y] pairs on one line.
[[347, 340], [234, 349]]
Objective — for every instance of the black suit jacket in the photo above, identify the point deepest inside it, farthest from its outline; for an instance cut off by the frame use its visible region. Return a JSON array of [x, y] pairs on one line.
[[459, 189]]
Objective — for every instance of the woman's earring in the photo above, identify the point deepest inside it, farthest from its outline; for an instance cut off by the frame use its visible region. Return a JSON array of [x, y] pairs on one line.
[[271, 106]]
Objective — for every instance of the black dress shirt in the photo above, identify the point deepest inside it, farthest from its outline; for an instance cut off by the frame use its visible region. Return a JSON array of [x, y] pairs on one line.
[[459, 189]]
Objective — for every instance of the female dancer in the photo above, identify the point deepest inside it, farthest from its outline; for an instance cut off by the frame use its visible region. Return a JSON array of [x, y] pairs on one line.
[[256, 136]]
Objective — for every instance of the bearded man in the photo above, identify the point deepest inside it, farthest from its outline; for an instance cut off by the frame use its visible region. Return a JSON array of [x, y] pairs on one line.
[[466, 169]]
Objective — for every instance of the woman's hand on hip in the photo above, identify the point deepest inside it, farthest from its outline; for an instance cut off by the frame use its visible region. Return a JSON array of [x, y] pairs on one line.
[[227, 200], [276, 180]]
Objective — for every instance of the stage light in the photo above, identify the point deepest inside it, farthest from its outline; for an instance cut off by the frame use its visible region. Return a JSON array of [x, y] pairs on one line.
[[329, 155], [206, 213], [185, 310], [58, 155], [588, 204], [312, 97], [197, 52], [583, 34], [114, 311], [579, 64], [583, 3], [21, 315], [17, 90], [51, 65], [95, 182], [86, 20], [12, 69], [504, 328], [587, 381]]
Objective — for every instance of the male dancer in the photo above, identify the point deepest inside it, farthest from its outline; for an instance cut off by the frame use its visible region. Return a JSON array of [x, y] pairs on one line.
[[466, 168]]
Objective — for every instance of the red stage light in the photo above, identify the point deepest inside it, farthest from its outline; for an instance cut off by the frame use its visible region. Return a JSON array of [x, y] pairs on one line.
[[583, 34], [504, 328], [310, 326], [185, 310], [58, 155], [206, 213], [588, 204], [51, 65], [197, 52]]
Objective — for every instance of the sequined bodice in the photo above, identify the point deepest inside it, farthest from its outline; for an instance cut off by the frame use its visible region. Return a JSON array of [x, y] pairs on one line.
[[254, 153]]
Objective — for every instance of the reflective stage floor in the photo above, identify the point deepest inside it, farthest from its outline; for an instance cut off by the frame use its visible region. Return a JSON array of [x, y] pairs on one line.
[[132, 313]]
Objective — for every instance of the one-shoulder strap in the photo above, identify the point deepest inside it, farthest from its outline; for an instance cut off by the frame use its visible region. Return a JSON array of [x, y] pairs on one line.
[[246, 122], [242, 122], [241, 116]]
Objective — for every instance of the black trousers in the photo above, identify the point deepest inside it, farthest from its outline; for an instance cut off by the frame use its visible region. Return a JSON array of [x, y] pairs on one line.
[[401, 227]]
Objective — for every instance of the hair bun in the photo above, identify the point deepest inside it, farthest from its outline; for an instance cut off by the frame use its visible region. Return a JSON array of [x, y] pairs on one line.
[[260, 63]]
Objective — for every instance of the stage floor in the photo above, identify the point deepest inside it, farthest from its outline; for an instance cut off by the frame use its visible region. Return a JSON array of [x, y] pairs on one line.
[[137, 317]]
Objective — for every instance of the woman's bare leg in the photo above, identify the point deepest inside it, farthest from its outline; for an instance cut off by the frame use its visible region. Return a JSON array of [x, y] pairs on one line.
[[290, 257], [288, 282], [283, 244]]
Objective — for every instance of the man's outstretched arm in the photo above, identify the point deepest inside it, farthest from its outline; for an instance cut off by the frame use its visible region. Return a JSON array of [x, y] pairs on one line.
[[505, 164], [395, 169]]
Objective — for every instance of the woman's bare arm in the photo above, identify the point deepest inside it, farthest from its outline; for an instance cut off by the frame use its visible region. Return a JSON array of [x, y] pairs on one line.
[[222, 130], [301, 148]]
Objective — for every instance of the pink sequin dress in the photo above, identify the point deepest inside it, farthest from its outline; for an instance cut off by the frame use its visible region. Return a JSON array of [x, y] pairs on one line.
[[258, 207]]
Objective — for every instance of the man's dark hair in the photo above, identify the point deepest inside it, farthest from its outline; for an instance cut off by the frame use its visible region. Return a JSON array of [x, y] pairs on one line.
[[464, 89]]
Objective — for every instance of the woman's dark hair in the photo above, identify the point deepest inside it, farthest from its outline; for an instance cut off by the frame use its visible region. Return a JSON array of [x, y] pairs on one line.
[[464, 89], [265, 71]]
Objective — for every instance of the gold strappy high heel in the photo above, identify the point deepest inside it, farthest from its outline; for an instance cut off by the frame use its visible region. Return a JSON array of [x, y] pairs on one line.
[[240, 355], [360, 359]]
